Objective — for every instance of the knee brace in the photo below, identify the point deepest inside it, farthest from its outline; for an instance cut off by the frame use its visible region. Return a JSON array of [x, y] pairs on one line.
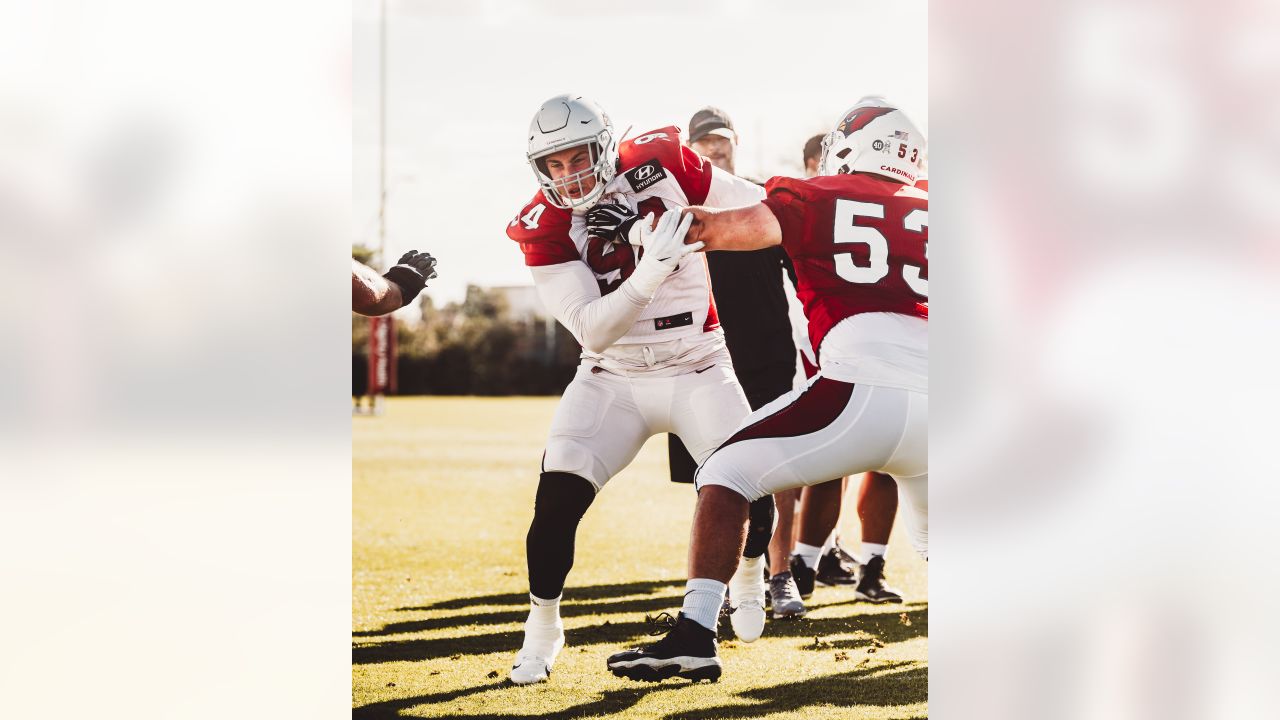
[[562, 500], [759, 527]]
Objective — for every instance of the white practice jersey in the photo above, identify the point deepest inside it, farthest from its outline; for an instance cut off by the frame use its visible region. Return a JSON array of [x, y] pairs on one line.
[[656, 174]]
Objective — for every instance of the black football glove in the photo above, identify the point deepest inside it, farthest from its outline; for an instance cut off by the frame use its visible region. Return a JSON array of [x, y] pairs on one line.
[[411, 273], [611, 221]]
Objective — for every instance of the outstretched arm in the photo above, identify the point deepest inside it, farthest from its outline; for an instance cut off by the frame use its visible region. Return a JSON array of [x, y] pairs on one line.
[[372, 294], [753, 227]]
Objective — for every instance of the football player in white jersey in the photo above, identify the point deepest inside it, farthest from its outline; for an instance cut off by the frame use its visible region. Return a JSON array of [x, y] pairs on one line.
[[654, 358]]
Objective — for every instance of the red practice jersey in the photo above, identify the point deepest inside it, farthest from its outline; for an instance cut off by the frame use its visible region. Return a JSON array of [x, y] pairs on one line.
[[858, 244]]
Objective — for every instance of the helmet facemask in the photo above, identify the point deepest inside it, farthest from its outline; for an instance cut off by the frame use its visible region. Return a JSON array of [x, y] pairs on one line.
[[562, 123], [601, 168]]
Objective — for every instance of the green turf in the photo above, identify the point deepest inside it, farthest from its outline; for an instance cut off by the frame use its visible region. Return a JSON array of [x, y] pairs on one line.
[[442, 496]]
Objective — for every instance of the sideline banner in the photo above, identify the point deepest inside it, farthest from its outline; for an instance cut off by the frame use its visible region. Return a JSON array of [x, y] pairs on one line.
[[382, 356]]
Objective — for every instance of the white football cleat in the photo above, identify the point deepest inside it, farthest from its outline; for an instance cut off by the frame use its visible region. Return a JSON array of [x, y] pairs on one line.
[[747, 589], [541, 646], [748, 619]]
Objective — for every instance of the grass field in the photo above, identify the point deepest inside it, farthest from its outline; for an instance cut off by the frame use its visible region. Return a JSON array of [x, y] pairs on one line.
[[442, 496]]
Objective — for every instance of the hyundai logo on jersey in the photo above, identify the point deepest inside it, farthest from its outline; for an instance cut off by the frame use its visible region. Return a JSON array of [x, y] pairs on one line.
[[643, 176]]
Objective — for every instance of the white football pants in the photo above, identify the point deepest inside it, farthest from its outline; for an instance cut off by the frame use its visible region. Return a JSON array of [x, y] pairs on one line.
[[604, 419], [831, 429]]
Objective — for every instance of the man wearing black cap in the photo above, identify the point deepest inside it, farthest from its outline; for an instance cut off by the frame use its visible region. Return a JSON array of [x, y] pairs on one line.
[[752, 302], [711, 135], [748, 285]]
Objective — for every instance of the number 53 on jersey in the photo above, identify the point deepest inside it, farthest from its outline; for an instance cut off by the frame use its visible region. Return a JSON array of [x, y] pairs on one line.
[[866, 241]]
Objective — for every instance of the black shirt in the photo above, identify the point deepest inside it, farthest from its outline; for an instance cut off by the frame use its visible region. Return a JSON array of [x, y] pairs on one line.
[[752, 304]]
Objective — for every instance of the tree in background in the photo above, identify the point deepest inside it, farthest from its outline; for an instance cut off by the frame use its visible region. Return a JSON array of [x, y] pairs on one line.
[[474, 348]]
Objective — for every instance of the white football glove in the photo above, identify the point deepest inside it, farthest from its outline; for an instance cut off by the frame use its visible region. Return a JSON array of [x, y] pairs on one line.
[[664, 248], [665, 243]]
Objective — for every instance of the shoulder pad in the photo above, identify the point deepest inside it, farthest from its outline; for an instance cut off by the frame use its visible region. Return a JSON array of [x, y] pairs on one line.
[[542, 230], [658, 154], [781, 185]]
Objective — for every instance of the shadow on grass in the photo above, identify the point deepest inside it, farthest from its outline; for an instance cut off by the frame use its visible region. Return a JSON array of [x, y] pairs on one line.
[[609, 702], [885, 686], [590, 592], [392, 708], [505, 617], [886, 627], [509, 641], [854, 601]]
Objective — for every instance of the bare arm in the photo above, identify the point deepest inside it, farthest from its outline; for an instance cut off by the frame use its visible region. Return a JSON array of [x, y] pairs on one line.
[[372, 294], [745, 228]]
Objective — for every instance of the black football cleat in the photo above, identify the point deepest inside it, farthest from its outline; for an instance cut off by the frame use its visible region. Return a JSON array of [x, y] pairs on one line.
[[833, 569], [724, 622], [804, 576], [845, 556], [871, 585], [688, 650]]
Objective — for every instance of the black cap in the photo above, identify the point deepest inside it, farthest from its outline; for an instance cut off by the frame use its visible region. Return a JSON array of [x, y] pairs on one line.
[[707, 120]]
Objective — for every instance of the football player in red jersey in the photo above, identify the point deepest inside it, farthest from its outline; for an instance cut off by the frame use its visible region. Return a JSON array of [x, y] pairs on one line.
[[858, 237], [639, 301], [877, 501]]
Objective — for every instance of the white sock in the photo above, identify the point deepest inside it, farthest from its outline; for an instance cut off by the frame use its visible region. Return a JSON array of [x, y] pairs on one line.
[[809, 554], [544, 612], [702, 600], [750, 575], [831, 541], [869, 549]]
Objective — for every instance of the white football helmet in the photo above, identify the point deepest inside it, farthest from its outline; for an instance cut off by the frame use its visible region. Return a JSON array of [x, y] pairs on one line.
[[567, 121], [876, 137]]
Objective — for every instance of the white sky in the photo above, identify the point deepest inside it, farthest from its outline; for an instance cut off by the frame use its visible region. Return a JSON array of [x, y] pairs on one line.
[[464, 79]]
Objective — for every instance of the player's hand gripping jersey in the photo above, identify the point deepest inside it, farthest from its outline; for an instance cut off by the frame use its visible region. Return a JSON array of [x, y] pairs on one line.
[[581, 279], [860, 250]]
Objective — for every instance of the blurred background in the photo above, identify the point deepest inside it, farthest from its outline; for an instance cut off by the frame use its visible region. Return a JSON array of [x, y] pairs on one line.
[[1106, 230], [175, 183]]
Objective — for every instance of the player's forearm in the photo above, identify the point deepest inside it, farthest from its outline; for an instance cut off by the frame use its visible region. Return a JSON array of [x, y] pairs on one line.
[[602, 322], [372, 294], [388, 302], [572, 295], [746, 228], [609, 318]]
